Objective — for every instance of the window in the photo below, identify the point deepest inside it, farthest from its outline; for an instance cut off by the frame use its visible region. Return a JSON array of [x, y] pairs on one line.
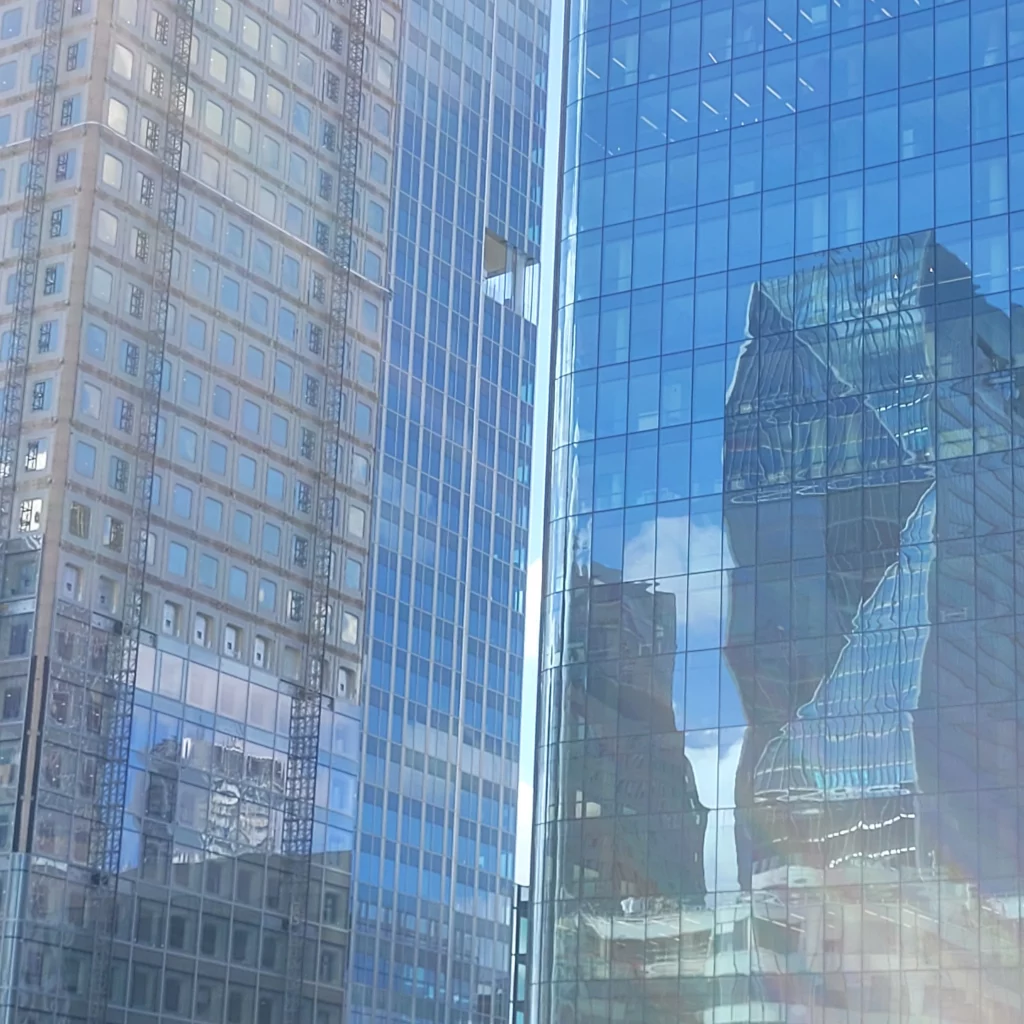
[[177, 559], [367, 368], [385, 72], [222, 13], [217, 458], [79, 520], [296, 605], [36, 455], [10, 24], [124, 415], [213, 515], [47, 331], [58, 223], [213, 117], [372, 265], [140, 244], [130, 358], [241, 135], [123, 61], [8, 76], [356, 521], [381, 120], [246, 471], [378, 168], [349, 628], [238, 583], [246, 86], [279, 430], [112, 171], [221, 402], [241, 527], [375, 217], [266, 595], [106, 227], [300, 551], [41, 396], [225, 351], [85, 459], [303, 497], [302, 119], [360, 469], [71, 582], [251, 33], [65, 169], [271, 541], [353, 574], [156, 80], [102, 284], [136, 302], [387, 26], [311, 391], [188, 443], [250, 417], [371, 316], [119, 476], [207, 571], [30, 515], [278, 51], [275, 485], [75, 54], [218, 65], [113, 533], [117, 116], [53, 279], [181, 501]]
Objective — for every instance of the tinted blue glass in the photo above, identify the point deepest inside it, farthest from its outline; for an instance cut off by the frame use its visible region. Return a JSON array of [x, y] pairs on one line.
[[779, 712]]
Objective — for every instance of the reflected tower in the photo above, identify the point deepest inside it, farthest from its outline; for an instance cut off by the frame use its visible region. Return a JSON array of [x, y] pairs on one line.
[[787, 391]]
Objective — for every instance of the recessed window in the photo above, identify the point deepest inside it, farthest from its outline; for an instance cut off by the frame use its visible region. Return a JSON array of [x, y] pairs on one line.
[[246, 84], [385, 72], [117, 116], [218, 65], [177, 559], [213, 117], [123, 61], [251, 33], [102, 285], [222, 14], [275, 101], [238, 583]]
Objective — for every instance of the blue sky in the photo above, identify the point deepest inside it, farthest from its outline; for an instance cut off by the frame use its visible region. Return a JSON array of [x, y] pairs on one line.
[[540, 451]]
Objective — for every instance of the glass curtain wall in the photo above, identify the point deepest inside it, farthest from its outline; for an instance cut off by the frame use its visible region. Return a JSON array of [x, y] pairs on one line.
[[779, 773]]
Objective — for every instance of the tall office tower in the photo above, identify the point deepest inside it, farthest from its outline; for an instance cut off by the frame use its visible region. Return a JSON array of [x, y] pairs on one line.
[[788, 398], [438, 799], [194, 197]]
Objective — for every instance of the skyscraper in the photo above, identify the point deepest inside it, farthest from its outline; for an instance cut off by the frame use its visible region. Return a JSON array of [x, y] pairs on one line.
[[194, 200], [787, 396], [434, 878]]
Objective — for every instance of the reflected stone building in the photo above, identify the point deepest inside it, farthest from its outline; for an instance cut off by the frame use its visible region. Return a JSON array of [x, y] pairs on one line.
[[793, 403]]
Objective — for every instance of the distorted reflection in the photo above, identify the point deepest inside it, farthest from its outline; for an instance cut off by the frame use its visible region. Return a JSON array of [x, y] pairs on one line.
[[786, 786]]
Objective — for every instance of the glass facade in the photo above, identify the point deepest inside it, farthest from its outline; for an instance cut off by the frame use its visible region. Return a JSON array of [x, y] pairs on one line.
[[202, 922], [434, 877], [780, 721]]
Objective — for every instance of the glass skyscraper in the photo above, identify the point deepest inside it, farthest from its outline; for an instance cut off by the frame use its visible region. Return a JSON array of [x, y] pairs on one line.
[[436, 836], [780, 726]]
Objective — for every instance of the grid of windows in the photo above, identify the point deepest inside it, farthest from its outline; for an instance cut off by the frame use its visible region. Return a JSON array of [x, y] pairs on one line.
[[438, 802], [779, 710], [230, 548]]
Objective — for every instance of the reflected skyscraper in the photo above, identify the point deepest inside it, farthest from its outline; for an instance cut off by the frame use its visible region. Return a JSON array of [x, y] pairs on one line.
[[788, 393]]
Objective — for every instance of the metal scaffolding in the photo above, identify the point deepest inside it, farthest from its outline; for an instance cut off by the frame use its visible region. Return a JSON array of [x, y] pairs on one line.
[[120, 676], [307, 702]]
